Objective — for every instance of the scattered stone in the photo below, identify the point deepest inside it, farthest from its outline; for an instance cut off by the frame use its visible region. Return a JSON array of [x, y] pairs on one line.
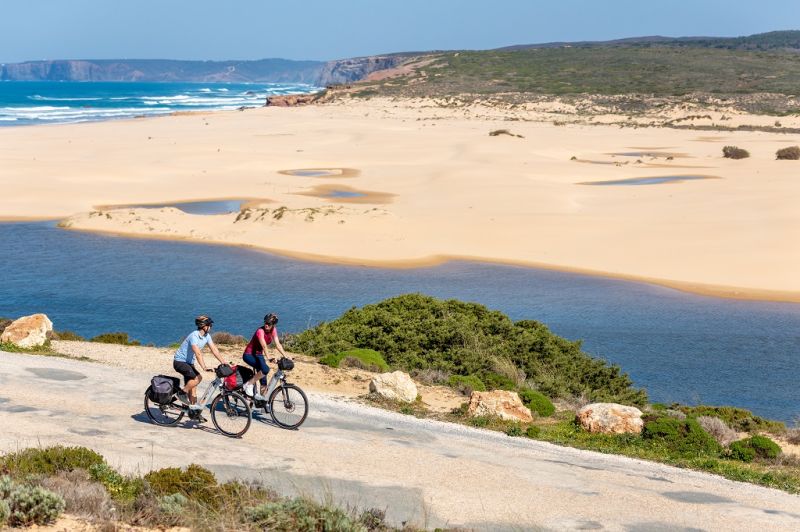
[[28, 331], [291, 100], [611, 418], [499, 403], [396, 386]]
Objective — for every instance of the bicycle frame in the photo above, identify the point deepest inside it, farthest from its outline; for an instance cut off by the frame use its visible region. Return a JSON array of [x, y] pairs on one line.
[[211, 390], [278, 376]]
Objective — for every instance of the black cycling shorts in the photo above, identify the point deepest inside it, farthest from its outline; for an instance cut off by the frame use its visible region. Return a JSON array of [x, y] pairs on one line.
[[188, 371]]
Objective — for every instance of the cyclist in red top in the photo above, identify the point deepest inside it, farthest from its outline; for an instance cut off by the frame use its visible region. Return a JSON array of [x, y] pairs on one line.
[[254, 355]]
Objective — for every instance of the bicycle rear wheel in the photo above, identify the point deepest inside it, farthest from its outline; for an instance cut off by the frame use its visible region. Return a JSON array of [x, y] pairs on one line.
[[165, 415], [230, 413], [288, 406]]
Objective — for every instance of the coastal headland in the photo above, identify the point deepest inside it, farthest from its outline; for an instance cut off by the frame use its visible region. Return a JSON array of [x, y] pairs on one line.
[[400, 182]]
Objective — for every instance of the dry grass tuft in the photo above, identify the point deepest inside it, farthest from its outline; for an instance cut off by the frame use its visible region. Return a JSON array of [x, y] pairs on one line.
[[82, 496], [226, 338], [718, 430]]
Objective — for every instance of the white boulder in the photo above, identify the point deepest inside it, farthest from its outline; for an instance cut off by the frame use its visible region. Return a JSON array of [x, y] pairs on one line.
[[611, 418], [396, 386], [499, 403], [28, 331]]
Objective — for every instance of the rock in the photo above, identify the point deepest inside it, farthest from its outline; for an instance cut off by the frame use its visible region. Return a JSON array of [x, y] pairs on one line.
[[396, 386], [28, 331], [611, 418], [291, 100], [499, 403]]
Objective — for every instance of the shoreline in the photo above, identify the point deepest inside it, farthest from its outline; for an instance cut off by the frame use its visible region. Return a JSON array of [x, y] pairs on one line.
[[700, 289]]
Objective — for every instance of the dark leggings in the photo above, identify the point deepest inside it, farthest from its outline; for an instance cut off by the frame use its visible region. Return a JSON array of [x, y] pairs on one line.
[[259, 364]]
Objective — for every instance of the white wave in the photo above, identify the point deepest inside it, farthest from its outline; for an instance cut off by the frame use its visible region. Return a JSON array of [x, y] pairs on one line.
[[223, 89], [205, 90], [38, 97]]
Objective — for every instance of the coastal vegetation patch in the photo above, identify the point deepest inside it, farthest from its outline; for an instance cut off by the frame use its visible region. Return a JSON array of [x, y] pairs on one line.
[[792, 153], [417, 332], [38, 484], [734, 152]]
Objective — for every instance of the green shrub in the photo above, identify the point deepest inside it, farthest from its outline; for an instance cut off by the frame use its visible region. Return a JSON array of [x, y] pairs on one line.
[[368, 359], [537, 402], [754, 447], [115, 338], [514, 430], [123, 489], [197, 483], [732, 152], [736, 418], [415, 332], [495, 381], [32, 506], [67, 335], [533, 432], [792, 153], [49, 460], [685, 437], [301, 515], [173, 504], [466, 384]]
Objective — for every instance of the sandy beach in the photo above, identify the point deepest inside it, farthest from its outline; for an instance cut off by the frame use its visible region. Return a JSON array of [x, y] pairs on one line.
[[404, 183]]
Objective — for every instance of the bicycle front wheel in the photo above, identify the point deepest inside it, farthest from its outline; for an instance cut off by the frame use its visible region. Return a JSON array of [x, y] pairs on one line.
[[288, 406], [230, 413], [165, 415]]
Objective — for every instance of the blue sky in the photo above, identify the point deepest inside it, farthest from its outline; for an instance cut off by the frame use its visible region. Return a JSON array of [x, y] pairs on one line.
[[315, 29]]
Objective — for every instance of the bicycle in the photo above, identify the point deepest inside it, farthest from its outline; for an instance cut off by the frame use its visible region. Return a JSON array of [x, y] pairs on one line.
[[230, 411], [286, 403]]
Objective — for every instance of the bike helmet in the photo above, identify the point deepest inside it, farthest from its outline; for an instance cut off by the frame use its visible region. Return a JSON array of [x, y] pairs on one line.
[[203, 320], [271, 319]]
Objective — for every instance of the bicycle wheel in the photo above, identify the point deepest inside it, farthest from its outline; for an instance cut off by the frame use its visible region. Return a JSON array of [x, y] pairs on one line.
[[165, 415], [288, 406], [230, 413]]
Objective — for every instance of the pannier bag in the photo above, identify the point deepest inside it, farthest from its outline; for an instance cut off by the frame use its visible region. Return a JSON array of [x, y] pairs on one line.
[[285, 364], [162, 388], [237, 379]]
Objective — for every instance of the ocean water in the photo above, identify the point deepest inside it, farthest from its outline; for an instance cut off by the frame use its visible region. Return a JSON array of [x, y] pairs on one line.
[[681, 347], [48, 102]]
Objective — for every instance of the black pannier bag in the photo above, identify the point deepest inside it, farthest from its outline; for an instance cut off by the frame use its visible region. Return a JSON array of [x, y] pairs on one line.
[[162, 388], [224, 370], [237, 379]]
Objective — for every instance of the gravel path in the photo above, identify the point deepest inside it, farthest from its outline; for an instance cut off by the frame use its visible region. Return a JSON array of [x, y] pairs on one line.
[[423, 472]]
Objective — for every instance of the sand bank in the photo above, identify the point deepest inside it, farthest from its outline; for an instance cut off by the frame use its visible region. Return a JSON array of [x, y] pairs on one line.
[[440, 187]]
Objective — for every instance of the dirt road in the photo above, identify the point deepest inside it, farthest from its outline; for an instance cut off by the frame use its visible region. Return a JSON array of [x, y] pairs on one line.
[[422, 472]]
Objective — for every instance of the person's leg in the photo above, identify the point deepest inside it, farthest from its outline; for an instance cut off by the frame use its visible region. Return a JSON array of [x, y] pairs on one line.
[[263, 371], [191, 388], [190, 375], [251, 361]]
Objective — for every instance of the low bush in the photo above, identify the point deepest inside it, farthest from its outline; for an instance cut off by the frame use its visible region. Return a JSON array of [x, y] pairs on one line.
[[514, 430], [5, 513], [537, 402], [736, 418], [49, 460], [373, 519], [792, 153], [431, 376], [718, 429], [29, 505], [684, 437], [466, 384], [733, 152], [226, 338], [82, 496], [368, 359], [302, 515], [196, 483], [120, 338], [121, 488], [496, 381], [533, 432], [755, 447], [67, 335]]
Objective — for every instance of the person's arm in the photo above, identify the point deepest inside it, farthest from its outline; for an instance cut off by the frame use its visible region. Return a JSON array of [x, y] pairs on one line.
[[278, 345], [199, 356], [215, 351]]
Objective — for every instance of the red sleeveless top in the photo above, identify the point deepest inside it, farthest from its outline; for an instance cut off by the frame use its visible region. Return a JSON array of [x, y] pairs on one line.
[[254, 347]]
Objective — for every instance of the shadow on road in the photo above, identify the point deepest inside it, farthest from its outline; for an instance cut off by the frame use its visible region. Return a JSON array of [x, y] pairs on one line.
[[141, 417]]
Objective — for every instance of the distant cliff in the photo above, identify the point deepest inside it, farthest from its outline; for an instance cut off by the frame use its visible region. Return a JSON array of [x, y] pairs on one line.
[[265, 70]]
